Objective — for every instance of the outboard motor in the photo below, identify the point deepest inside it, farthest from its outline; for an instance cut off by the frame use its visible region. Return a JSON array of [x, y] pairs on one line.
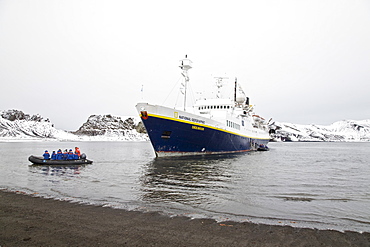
[[83, 156]]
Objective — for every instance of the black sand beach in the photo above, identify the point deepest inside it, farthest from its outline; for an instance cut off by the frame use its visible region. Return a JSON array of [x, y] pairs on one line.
[[33, 221]]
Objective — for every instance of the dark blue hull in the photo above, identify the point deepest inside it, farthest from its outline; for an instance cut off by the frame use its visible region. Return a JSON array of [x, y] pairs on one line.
[[170, 137]]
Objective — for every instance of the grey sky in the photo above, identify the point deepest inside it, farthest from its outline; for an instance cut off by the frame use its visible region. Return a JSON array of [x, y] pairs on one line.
[[298, 61]]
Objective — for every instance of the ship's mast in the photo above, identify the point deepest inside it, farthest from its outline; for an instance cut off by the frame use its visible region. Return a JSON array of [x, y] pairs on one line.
[[236, 83], [185, 66]]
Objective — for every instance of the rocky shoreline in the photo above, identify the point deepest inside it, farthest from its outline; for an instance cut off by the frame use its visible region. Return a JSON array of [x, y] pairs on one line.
[[34, 221]]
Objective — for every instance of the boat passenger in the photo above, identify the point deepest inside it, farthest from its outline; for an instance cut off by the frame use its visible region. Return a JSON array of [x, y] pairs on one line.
[[76, 156], [59, 155], [65, 154], [70, 155], [53, 156], [46, 155], [77, 151]]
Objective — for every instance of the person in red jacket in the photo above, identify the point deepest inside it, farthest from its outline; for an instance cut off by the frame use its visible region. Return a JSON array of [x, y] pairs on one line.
[[77, 151]]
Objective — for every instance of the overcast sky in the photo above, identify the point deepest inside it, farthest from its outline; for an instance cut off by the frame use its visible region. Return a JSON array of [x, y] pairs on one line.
[[299, 61]]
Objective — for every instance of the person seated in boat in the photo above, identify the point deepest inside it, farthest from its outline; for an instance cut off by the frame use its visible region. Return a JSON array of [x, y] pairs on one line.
[[59, 155], [70, 155], [65, 154], [53, 156], [46, 155], [76, 156], [77, 151]]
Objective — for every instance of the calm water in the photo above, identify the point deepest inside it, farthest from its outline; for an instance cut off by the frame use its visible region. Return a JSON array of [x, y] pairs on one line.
[[320, 185]]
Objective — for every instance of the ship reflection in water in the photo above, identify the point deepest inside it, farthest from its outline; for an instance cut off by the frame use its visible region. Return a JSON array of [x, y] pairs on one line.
[[190, 180]]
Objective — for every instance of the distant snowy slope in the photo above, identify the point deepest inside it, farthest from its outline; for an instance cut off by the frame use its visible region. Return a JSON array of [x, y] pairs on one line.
[[16, 125], [346, 130]]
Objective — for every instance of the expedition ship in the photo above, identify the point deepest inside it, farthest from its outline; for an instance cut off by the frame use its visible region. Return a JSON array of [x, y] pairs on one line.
[[212, 126]]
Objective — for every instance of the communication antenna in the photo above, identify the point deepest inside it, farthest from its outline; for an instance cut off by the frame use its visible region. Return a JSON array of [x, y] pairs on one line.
[[142, 92], [185, 66], [219, 85]]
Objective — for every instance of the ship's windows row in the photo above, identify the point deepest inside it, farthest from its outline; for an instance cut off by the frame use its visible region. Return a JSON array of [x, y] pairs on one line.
[[214, 107], [232, 125]]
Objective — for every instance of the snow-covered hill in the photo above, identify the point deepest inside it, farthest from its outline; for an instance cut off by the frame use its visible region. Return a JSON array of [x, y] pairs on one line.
[[346, 130], [16, 125], [108, 127]]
